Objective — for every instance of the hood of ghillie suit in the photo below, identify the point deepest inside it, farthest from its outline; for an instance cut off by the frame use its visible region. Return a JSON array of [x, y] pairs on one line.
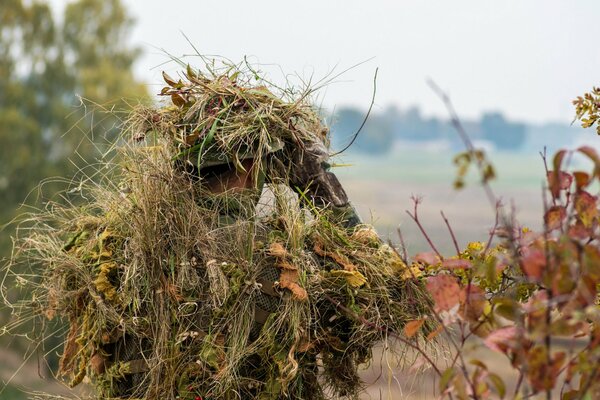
[[222, 119], [164, 300]]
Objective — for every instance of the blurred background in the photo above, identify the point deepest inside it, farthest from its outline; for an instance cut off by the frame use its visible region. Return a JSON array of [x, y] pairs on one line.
[[512, 69]]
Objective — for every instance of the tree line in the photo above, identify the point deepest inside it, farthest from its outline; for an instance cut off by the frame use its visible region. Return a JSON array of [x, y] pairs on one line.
[[393, 126]]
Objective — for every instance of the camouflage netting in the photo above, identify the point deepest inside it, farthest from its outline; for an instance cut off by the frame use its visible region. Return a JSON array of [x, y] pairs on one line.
[[171, 290]]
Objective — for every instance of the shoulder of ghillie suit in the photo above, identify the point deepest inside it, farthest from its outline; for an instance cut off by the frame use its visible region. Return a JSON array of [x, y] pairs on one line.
[[165, 300]]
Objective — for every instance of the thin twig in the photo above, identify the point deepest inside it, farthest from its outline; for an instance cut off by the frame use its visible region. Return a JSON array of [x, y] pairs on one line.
[[415, 218], [462, 133], [545, 160], [493, 231], [519, 383], [404, 255], [451, 233], [364, 120]]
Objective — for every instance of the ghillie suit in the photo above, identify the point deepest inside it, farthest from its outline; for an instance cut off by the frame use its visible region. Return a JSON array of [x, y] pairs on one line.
[[179, 280]]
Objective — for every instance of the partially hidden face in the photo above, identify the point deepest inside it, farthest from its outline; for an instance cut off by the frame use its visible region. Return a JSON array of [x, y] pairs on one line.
[[226, 177]]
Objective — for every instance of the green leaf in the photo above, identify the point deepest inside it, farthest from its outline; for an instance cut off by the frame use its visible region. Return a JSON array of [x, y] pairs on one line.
[[507, 308], [447, 375], [190, 72], [478, 363], [207, 140], [498, 384]]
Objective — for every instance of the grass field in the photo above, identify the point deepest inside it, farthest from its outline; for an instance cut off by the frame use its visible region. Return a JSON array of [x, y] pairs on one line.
[[381, 189]]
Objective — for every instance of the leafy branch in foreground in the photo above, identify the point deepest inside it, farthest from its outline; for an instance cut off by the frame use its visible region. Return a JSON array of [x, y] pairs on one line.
[[532, 296]]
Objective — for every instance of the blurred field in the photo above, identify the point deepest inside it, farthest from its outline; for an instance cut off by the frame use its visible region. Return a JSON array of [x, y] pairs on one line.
[[381, 189]]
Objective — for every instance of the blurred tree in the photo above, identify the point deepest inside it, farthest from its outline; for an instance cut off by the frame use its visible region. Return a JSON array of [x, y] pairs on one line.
[[48, 69], [505, 135], [376, 136], [44, 67]]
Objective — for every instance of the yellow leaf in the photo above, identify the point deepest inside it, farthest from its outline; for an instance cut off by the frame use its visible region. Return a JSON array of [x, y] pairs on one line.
[[106, 234], [354, 278], [413, 272]]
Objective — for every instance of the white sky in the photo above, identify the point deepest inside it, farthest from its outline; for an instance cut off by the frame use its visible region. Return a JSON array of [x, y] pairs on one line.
[[526, 58]]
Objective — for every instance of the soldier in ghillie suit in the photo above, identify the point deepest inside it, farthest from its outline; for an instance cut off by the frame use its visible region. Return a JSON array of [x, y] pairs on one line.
[[222, 259]]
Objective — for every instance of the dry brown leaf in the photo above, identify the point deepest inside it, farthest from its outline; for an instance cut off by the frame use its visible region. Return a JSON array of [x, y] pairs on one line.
[[276, 249], [340, 259], [66, 363], [98, 363], [174, 292], [437, 331], [287, 266], [412, 327], [289, 280], [305, 345]]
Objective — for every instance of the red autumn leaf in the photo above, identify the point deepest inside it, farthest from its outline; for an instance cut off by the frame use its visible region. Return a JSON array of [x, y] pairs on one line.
[[455, 263], [590, 152], [554, 217], [533, 262], [427, 258], [529, 237], [582, 179], [592, 155], [503, 339], [578, 231], [559, 180], [585, 205], [557, 160], [472, 303], [444, 290], [584, 295]]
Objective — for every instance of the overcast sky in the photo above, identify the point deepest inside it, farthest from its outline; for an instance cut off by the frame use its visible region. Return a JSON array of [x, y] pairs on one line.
[[526, 58]]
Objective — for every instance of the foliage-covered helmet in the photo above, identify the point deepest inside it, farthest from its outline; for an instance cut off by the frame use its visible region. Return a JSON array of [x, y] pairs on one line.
[[223, 120]]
